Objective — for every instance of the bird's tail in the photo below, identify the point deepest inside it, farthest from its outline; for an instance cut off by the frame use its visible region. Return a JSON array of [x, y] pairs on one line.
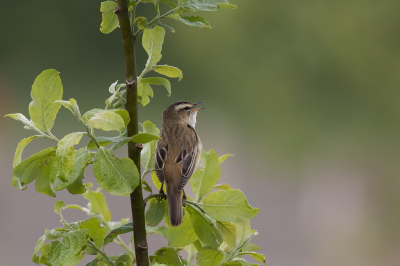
[[175, 209]]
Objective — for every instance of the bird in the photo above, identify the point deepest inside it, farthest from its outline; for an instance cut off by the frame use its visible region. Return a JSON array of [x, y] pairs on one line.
[[177, 154]]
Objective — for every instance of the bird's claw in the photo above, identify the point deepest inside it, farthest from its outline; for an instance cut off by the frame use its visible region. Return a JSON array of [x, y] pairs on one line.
[[162, 193]]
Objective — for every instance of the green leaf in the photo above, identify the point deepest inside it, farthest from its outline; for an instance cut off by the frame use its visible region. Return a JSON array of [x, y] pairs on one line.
[[44, 181], [148, 153], [33, 167], [144, 138], [107, 121], [123, 229], [150, 128], [72, 106], [46, 90], [182, 235], [203, 181], [155, 213], [159, 23], [222, 158], [111, 89], [28, 123], [250, 247], [222, 186], [74, 260], [203, 5], [121, 142], [55, 234], [66, 154], [96, 233], [158, 81], [110, 19], [169, 71], [144, 91], [152, 42], [121, 112], [243, 233], [160, 230], [209, 257], [77, 187], [155, 179], [169, 257], [117, 176], [124, 260], [58, 206], [82, 159], [168, 2], [204, 229], [236, 263], [17, 158], [228, 232], [37, 248], [256, 256], [226, 6], [89, 114], [98, 204], [228, 205], [45, 252], [104, 141], [67, 248], [194, 21]]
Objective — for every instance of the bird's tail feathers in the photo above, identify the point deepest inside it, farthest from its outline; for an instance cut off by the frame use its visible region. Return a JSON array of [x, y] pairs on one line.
[[175, 209]]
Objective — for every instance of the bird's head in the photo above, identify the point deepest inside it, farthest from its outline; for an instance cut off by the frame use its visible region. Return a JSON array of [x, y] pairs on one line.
[[181, 112]]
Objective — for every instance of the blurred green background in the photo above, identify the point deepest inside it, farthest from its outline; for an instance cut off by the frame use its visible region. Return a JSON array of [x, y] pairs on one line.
[[304, 93]]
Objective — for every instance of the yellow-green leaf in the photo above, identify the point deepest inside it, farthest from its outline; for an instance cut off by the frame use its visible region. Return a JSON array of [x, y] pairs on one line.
[[228, 205], [109, 18], [117, 176], [46, 90], [152, 42], [31, 168], [182, 235], [66, 154], [169, 71], [98, 204], [107, 121]]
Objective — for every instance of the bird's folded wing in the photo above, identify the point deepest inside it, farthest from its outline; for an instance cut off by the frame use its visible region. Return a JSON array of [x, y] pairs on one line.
[[161, 158]]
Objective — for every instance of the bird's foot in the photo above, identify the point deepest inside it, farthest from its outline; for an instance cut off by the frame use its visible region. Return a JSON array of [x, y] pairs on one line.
[[162, 193], [184, 200]]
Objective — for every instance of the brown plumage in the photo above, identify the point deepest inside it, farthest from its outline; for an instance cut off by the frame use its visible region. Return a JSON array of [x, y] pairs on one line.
[[177, 154]]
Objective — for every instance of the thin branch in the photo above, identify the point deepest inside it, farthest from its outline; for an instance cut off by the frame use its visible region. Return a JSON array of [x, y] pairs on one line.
[[137, 204]]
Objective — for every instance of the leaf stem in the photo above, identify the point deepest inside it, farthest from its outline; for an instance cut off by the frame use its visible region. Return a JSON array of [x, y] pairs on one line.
[[103, 254], [124, 246], [53, 137], [198, 205], [89, 132], [152, 196], [157, 18]]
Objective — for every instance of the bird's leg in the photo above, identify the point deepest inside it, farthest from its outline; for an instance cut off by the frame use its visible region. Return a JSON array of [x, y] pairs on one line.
[[162, 193], [184, 198]]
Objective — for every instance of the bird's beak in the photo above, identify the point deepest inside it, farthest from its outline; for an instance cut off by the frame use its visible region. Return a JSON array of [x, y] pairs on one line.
[[197, 109]]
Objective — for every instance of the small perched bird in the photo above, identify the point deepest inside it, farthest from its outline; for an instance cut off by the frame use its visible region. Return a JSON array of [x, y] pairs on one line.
[[177, 154]]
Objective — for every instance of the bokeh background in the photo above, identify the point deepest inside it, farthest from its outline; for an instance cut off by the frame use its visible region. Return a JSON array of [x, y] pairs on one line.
[[304, 93]]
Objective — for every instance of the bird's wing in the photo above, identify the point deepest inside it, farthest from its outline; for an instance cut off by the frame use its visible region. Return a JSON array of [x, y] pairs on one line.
[[189, 159], [161, 158]]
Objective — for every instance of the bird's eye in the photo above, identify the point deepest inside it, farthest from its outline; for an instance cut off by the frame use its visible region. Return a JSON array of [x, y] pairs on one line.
[[187, 108]]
